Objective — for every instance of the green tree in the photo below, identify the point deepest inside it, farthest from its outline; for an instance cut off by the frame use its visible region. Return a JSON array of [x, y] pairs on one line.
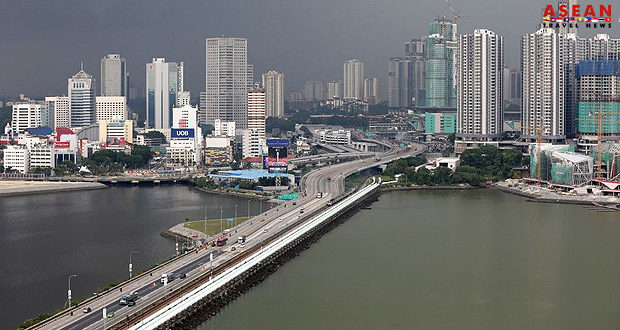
[[442, 176], [66, 167], [423, 176], [155, 135]]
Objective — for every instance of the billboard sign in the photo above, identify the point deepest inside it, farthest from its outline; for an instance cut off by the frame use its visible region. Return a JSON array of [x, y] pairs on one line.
[[278, 142], [181, 133]]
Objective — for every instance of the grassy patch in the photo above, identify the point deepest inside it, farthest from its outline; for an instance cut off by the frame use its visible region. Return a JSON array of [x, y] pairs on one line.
[[213, 226]]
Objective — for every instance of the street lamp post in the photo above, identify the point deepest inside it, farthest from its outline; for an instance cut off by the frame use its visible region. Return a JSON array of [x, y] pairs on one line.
[[248, 208], [130, 264], [235, 222], [221, 218], [69, 291]]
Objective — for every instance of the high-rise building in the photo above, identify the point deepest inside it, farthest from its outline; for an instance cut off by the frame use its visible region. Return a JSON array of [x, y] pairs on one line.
[[58, 109], [256, 111], [480, 77], [515, 86], [335, 89], [440, 58], [111, 108], [506, 85], [414, 52], [599, 91], [371, 90], [353, 79], [163, 85], [314, 90], [545, 57], [228, 79], [114, 76], [399, 82], [27, 115], [81, 88], [273, 82]]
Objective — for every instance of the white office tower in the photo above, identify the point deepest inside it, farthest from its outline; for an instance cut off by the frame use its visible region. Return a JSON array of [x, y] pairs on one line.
[[183, 99], [545, 57], [185, 117], [480, 74], [58, 109], [224, 128], [256, 111], [399, 82], [273, 82], [335, 90], [371, 90], [114, 76], [185, 138], [27, 115], [354, 79], [111, 108], [164, 81], [228, 79], [81, 88]]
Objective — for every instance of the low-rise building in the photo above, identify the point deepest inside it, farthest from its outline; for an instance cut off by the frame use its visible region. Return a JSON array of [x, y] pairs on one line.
[[17, 158], [439, 123], [42, 156], [217, 151]]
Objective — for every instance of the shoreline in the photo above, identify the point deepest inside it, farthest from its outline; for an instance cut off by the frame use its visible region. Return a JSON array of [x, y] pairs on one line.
[[48, 187], [233, 193], [402, 188]]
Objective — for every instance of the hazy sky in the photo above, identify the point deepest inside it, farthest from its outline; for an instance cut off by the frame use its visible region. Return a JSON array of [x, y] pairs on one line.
[[42, 42]]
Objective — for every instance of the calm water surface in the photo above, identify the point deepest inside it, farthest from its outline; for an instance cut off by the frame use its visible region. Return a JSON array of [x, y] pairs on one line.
[[447, 260], [45, 238]]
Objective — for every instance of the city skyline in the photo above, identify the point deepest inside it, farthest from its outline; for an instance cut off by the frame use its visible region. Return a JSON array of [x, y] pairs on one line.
[[279, 45]]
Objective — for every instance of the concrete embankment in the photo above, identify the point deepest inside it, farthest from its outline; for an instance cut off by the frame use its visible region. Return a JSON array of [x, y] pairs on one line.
[[398, 188], [17, 188], [537, 194], [210, 305], [234, 193]]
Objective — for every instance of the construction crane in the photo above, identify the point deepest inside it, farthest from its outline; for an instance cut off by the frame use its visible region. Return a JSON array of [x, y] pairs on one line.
[[455, 13], [599, 132], [539, 134]]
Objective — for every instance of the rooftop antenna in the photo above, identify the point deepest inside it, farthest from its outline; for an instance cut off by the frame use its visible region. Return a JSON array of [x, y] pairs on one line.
[[81, 65]]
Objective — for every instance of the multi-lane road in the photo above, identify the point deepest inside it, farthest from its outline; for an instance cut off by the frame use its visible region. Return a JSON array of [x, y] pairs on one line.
[[327, 180]]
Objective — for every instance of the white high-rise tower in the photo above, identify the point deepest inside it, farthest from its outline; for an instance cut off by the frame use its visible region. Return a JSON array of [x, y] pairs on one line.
[[81, 90], [273, 82], [480, 101], [353, 79]]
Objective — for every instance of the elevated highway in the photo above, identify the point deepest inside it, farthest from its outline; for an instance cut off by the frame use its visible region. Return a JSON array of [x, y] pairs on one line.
[[200, 265]]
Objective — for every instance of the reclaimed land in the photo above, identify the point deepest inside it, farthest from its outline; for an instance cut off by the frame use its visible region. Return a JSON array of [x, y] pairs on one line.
[[17, 188]]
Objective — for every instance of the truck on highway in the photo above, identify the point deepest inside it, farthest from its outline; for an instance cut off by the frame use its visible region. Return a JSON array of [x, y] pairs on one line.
[[241, 239], [166, 278], [127, 300]]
